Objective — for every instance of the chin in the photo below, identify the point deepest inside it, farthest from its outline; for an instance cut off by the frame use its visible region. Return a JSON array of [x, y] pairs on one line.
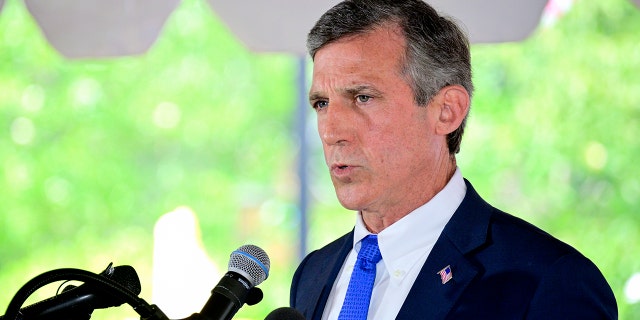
[[351, 200]]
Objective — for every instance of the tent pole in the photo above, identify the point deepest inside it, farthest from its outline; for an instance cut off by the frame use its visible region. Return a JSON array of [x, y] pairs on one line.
[[303, 155]]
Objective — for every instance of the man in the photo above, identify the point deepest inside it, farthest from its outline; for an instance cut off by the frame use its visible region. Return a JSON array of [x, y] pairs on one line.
[[392, 87]]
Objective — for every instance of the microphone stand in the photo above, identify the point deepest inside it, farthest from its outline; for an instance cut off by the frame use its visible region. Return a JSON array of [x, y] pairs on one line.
[[146, 311], [111, 288]]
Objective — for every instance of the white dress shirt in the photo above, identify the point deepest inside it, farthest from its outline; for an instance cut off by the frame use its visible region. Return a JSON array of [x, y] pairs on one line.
[[405, 246]]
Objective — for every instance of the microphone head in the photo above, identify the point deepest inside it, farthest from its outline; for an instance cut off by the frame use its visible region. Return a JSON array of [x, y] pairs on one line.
[[127, 276], [251, 262], [123, 275], [284, 313]]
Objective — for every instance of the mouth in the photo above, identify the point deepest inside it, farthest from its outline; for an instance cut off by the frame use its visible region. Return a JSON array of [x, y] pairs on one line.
[[339, 166], [341, 170]]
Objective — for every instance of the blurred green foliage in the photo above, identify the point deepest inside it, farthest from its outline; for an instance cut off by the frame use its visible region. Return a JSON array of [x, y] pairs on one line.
[[93, 152], [556, 129]]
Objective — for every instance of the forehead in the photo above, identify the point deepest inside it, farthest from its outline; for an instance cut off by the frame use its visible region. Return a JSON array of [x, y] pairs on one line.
[[376, 53]]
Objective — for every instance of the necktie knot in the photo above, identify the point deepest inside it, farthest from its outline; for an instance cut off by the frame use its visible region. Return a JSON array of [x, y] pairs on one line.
[[369, 254]]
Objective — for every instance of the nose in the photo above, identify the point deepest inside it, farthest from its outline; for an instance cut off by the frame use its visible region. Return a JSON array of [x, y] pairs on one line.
[[335, 124]]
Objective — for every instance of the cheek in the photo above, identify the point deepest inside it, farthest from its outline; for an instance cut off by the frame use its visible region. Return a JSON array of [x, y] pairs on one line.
[[402, 132], [403, 146]]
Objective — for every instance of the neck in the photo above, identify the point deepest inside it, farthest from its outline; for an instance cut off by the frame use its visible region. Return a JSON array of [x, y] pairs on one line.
[[378, 220]]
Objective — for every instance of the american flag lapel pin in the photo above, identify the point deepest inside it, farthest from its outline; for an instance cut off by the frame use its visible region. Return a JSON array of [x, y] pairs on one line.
[[445, 274]]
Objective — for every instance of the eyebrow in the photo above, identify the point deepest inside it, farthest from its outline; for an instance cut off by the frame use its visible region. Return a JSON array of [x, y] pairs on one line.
[[350, 91], [360, 88], [313, 96]]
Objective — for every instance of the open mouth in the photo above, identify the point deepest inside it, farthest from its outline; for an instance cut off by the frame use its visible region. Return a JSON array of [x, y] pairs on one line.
[[341, 169], [339, 166]]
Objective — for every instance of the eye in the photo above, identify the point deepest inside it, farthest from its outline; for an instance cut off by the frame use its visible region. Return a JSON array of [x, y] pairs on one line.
[[363, 98], [320, 104]]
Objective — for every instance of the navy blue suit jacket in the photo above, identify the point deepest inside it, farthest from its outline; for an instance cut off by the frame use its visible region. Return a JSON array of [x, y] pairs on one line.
[[502, 266]]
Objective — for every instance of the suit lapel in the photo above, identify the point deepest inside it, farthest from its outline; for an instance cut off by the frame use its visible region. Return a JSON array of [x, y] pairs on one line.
[[429, 298], [329, 273]]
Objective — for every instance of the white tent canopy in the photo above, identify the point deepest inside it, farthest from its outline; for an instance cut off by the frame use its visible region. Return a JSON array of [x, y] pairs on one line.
[[97, 28], [282, 25]]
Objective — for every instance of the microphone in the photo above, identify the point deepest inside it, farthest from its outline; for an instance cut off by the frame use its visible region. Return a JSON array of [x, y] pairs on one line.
[[248, 267], [79, 302], [285, 313]]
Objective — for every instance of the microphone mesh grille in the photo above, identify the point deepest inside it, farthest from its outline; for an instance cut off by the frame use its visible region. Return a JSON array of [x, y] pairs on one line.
[[251, 262], [127, 276]]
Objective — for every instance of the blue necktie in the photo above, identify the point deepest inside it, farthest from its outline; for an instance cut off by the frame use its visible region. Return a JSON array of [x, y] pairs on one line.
[[356, 302]]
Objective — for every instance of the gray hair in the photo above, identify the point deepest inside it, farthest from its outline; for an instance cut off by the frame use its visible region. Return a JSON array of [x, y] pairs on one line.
[[437, 53]]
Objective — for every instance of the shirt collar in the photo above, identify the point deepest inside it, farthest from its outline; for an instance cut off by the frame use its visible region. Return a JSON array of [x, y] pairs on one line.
[[402, 242]]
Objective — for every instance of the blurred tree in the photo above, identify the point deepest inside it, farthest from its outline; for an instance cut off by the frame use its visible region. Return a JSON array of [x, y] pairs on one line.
[[93, 152]]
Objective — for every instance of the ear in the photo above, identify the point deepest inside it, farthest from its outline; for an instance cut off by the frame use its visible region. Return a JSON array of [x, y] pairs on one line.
[[452, 107]]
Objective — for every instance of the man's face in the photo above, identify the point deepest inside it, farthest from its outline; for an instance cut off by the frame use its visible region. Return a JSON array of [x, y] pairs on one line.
[[378, 144]]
